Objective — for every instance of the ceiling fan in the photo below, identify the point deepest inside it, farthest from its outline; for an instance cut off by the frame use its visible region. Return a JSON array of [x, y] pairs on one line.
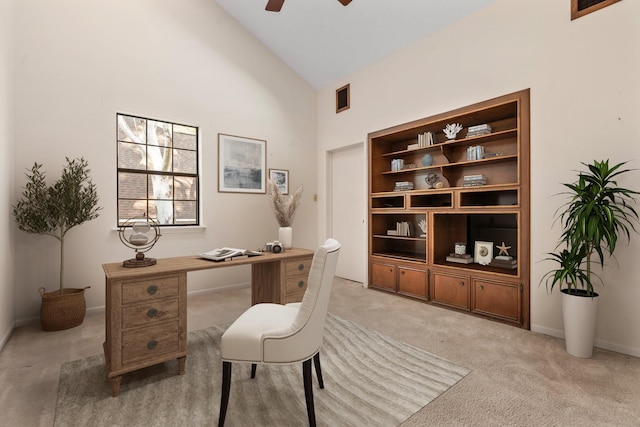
[[276, 5]]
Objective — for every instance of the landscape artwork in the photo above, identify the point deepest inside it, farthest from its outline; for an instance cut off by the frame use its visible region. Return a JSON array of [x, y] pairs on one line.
[[242, 164]]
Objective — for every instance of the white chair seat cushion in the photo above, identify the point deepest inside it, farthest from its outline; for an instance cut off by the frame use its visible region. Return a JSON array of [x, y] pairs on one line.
[[242, 342]]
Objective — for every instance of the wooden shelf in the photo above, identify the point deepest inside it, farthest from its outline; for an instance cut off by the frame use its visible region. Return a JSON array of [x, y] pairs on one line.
[[493, 212]]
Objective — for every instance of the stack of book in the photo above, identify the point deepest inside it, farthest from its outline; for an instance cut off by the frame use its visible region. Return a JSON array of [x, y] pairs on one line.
[[403, 186], [504, 262], [397, 164], [478, 130], [474, 180], [460, 258]]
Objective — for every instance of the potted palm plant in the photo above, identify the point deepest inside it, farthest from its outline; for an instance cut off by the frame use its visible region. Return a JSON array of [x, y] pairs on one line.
[[597, 213], [53, 211]]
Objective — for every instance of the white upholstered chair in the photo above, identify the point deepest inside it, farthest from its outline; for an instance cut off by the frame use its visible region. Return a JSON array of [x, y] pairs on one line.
[[283, 334]]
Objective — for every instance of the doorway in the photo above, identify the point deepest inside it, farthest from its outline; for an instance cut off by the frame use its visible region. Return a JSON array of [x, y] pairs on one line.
[[347, 208]]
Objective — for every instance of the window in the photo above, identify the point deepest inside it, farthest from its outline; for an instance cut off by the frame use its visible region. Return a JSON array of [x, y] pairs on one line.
[[157, 171], [583, 7]]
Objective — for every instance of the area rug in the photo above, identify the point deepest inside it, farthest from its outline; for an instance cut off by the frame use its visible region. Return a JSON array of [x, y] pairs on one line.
[[370, 380]]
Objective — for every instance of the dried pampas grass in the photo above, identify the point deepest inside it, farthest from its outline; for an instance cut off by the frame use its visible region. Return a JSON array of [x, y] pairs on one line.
[[283, 207]]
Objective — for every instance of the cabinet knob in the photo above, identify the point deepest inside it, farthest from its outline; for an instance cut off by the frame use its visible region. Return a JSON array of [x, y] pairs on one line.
[[301, 283], [402, 272], [300, 267], [152, 289], [152, 344], [481, 287], [152, 312], [461, 283]]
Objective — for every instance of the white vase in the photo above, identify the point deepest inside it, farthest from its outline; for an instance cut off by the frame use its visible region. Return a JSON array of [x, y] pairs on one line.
[[579, 317], [285, 236]]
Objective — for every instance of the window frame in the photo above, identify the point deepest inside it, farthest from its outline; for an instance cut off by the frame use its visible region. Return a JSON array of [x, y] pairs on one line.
[[147, 172], [575, 13]]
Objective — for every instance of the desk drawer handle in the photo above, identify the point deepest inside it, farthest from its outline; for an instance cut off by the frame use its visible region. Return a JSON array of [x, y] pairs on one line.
[[152, 312], [152, 289], [301, 283], [300, 267], [152, 344]]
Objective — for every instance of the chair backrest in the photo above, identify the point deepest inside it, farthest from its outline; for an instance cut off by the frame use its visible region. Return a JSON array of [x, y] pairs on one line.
[[304, 338]]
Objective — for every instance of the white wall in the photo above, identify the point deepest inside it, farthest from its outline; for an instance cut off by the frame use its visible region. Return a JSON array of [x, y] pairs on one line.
[[7, 289], [78, 62], [585, 104]]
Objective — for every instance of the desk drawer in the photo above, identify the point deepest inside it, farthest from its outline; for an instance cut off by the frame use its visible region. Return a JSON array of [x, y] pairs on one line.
[[149, 312], [144, 290], [295, 285], [301, 266], [295, 297], [150, 342]]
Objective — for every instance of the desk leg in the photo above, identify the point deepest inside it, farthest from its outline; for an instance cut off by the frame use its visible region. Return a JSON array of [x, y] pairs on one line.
[[181, 363]]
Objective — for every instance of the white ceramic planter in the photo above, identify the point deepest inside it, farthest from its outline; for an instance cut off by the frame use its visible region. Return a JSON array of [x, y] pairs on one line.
[[579, 315], [285, 236]]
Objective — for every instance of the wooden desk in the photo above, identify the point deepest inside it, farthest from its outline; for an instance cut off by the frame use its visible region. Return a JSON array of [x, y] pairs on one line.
[[146, 307]]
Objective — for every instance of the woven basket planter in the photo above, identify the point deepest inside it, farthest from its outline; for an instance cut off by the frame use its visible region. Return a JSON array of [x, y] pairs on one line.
[[58, 312]]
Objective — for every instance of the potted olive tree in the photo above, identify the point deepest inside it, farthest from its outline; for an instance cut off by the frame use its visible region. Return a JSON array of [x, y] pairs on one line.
[[53, 211], [597, 213]]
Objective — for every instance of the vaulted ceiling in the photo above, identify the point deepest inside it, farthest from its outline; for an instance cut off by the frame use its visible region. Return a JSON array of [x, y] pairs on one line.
[[324, 41]]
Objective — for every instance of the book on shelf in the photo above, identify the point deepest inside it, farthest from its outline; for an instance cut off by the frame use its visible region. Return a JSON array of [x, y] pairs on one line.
[[413, 146], [472, 177], [397, 164], [478, 130], [473, 180], [228, 254], [426, 139], [403, 186], [404, 229], [475, 152], [504, 263], [460, 259]]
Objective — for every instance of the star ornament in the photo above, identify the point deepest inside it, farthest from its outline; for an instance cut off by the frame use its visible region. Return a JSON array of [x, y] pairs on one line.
[[504, 249]]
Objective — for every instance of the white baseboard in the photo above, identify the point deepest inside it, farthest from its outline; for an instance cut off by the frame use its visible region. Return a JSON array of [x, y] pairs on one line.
[[605, 345], [6, 336]]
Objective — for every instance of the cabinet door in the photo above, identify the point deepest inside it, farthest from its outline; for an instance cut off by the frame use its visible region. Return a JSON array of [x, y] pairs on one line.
[[497, 299], [383, 276], [412, 282], [450, 290]]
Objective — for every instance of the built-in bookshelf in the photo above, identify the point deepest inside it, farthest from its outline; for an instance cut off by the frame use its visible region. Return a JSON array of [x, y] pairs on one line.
[[470, 192]]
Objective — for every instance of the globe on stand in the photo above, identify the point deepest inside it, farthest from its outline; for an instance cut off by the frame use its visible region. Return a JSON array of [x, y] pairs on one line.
[[139, 234]]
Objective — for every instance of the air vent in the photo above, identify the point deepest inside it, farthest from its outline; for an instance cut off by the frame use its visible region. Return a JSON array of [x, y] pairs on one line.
[[583, 7], [342, 98]]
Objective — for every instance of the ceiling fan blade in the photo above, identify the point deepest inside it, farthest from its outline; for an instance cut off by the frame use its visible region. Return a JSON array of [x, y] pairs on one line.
[[345, 2], [275, 5]]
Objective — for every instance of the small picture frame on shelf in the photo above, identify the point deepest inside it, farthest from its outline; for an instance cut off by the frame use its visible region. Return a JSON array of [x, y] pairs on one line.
[[483, 253]]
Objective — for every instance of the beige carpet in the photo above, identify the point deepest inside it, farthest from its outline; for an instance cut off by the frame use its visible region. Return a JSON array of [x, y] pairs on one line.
[[369, 380]]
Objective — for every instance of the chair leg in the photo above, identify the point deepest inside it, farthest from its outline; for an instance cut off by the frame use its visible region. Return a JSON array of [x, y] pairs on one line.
[[224, 397], [316, 362], [253, 370], [308, 392]]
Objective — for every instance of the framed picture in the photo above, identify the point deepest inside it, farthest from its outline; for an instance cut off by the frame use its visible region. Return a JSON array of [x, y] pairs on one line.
[[242, 164], [483, 253], [280, 177]]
